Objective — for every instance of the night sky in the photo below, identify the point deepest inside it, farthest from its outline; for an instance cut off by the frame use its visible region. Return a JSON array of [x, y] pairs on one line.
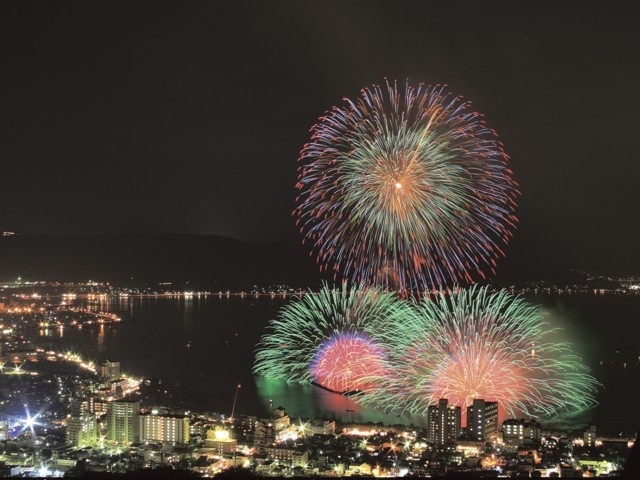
[[188, 117]]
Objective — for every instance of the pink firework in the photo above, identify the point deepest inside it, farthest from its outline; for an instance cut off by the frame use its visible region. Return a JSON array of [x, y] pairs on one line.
[[479, 344], [348, 362]]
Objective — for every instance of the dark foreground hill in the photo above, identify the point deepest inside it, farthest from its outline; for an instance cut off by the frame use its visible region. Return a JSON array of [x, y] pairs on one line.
[[204, 261]]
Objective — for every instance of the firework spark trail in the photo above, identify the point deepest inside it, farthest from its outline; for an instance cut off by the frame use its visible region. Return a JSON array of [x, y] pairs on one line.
[[477, 344], [332, 337], [411, 179]]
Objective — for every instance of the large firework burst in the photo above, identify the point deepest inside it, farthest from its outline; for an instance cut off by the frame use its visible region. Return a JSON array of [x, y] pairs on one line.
[[405, 186], [493, 346], [332, 338]]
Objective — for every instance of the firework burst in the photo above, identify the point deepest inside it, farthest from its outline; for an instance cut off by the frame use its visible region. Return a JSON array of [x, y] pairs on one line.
[[405, 186], [346, 361], [476, 344], [331, 338]]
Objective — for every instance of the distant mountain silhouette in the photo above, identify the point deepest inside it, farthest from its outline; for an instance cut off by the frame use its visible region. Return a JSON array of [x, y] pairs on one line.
[[211, 261], [202, 261]]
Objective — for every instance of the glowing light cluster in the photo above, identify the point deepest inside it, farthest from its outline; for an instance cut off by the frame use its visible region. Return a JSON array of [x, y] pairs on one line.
[[331, 338], [405, 187]]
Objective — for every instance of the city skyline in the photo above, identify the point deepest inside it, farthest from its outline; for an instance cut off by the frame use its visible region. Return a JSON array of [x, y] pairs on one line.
[[156, 118]]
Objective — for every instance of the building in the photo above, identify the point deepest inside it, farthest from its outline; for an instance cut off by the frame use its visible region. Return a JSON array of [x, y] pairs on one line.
[[482, 421], [443, 423], [246, 423], [265, 434], [318, 426], [518, 431], [289, 456], [280, 419], [221, 441], [217, 445], [164, 428], [245, 427], [95, 406], [589, 436], [82, 431], [123, 425], [532, 431], [116, 388], [266, 429], [110, 370]]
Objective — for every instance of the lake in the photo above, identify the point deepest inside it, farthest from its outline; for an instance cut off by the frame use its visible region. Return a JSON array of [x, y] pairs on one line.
[[209, 342]]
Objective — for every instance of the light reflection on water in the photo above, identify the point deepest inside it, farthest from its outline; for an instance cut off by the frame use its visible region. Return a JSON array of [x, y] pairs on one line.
[[210, 341], [307, 401]]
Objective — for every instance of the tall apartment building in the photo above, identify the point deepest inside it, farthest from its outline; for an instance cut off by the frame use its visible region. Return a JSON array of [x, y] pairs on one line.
[[482, 421], [443, 423], [123, 425], [82, 431], [589, 436], [167, 428]]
